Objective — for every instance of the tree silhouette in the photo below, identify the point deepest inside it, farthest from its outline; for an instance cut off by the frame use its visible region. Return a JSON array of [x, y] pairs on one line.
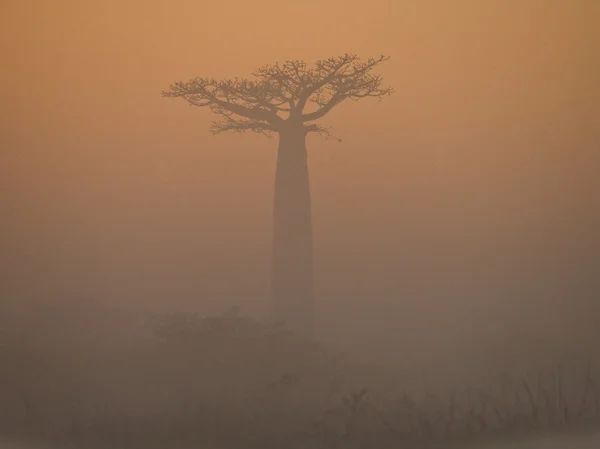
[[277, 101]]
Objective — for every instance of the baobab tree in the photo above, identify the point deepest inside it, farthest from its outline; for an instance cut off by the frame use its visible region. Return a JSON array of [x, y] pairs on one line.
[[286, 99]]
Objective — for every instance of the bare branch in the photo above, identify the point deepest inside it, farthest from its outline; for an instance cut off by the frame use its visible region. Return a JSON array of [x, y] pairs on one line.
[[353, 81], [239, 125], [256, 101], [283, 88], [321, 130], [288, 77], [324, 72]]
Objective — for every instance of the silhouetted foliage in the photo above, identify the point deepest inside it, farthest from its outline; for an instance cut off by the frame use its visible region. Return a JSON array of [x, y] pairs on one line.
[[242, 383]]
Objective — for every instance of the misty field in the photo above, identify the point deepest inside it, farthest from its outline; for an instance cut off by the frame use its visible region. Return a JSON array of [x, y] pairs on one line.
[[182, 380]]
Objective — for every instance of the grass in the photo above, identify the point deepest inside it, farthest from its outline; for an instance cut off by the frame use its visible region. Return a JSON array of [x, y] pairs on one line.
[[229, 382]]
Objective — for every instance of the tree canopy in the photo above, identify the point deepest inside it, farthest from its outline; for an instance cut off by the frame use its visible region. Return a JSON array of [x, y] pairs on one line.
[[280, 94]]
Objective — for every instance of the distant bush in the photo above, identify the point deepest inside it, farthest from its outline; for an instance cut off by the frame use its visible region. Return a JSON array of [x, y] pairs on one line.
[[179, 379]]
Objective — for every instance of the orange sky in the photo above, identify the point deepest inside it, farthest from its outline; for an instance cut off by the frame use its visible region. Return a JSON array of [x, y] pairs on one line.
[[489, 136]]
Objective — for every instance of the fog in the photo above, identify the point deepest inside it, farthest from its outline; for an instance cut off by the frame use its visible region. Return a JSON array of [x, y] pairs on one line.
[[454, 226]]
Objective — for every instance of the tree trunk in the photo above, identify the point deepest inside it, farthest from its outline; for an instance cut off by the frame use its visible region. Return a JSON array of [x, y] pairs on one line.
[[292, 269]]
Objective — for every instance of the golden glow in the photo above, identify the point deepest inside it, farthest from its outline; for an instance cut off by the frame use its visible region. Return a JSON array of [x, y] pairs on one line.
[[488, 139]]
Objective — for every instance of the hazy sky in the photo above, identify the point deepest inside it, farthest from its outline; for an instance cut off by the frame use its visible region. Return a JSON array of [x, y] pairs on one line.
[[476, 179]]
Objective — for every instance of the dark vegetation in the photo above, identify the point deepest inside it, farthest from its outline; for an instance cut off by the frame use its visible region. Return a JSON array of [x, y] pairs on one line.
[[86, 377]]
